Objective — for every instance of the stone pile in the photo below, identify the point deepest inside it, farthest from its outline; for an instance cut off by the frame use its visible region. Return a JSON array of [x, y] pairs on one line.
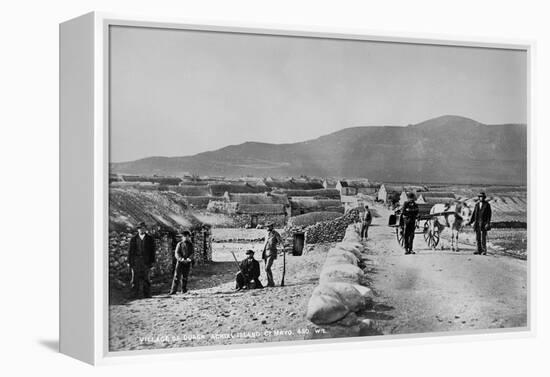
[[342, 292]]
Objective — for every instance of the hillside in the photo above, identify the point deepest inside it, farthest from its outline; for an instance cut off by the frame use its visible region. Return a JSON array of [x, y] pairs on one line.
[[445, 149]]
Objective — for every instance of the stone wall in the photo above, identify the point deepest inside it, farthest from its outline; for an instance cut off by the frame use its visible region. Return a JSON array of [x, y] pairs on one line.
[[324, 231], [165, 243]]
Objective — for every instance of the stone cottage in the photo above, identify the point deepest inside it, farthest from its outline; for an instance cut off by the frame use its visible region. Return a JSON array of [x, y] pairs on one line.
[[251, 210], [166, 215]]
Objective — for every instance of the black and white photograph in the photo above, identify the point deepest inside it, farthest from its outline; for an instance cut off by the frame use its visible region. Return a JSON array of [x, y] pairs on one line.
[[270, 188]]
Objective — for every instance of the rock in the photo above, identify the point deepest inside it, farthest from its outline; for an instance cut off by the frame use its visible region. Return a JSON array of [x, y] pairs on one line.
[[345, 292], [349, 320], [345, 273], [324, 309], [368, 327], [366, 292]]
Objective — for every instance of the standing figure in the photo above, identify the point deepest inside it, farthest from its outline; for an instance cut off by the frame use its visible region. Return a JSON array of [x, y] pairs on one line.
[[141, 257], [249, 275], [184, 260], [366, 220], [269, 253], [407, 219], [481, 218]]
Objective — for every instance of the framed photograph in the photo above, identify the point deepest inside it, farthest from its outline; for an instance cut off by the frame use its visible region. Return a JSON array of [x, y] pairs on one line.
[[228, 187]]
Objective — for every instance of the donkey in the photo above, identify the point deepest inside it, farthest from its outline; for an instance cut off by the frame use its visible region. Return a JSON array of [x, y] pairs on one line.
[[453, 216]]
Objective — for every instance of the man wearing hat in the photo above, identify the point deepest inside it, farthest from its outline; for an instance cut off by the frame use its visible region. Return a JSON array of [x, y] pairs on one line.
[[481, 218], [249, 274], [407, 219], [184, 260], [269, 254], [141, 257]]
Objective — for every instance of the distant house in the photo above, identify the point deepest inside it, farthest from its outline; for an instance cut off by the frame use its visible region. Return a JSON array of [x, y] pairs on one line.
[[318, 193], [417, 190], [389, 194], [198, 202], [303, 205], [293, 184], [357, 186], [250, 210], [191, 190], [219, 189], [329, 183]]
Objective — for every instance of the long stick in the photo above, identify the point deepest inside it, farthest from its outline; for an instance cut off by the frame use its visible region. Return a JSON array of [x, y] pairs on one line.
[[237, 262], [284, 268]]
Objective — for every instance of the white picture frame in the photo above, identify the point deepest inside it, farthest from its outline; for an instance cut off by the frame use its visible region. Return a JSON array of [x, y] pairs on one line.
[[84, 173]]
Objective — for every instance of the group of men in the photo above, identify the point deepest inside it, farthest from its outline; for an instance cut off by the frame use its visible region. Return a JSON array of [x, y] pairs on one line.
[[480, 219], [141, 258], [141, 255]]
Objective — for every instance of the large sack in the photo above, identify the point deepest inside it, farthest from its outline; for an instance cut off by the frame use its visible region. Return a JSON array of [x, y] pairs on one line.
[[345, 273], [342, 254], [340, 259], [351, 247], [345, 292], [323, 309]]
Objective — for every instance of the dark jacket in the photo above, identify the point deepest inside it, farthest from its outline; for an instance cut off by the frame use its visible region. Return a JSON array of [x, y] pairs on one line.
[[367, 217], [481, 217], [144, 249], [184, 250], [250, 268], [409, 212]]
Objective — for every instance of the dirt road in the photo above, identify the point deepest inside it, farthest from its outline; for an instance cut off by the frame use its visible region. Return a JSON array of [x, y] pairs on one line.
[[442, 290]]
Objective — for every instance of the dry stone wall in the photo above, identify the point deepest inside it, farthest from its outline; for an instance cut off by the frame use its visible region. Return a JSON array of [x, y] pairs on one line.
[[324, 231], [165, 243]]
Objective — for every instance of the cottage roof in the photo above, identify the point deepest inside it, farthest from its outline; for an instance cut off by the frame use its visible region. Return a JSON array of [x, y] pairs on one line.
[[218, 189], [309, 203], [166, 209], [263, 198], [261, 209], [392, 188], [191, 190], [326, 193], [438, 194]]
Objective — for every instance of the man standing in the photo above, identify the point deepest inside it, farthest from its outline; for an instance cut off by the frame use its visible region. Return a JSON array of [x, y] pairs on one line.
[[481, 218], [269, 253], [249, 274], [184, 259], [409, 212], [366, 220], [141, 257]]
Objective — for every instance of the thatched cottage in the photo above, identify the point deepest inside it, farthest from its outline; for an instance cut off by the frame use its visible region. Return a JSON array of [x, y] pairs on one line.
[[166, 214]]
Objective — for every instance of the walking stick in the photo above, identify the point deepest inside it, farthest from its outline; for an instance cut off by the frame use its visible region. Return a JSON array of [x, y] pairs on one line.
[[284, 268]]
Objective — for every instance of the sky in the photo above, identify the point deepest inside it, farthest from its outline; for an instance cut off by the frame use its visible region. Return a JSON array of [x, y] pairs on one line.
[[181, 92]]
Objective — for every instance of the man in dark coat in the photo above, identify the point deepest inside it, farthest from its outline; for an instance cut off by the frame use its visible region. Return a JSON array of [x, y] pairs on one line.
[[366, 220], [249, 274], [269, 254], [141, 257], [184, 260], [481, 218], [407, 219]]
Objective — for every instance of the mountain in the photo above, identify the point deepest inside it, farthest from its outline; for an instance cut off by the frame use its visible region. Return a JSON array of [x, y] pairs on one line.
[[448, 149]]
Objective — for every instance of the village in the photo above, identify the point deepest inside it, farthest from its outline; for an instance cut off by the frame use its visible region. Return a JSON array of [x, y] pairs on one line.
[[227, 216]]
